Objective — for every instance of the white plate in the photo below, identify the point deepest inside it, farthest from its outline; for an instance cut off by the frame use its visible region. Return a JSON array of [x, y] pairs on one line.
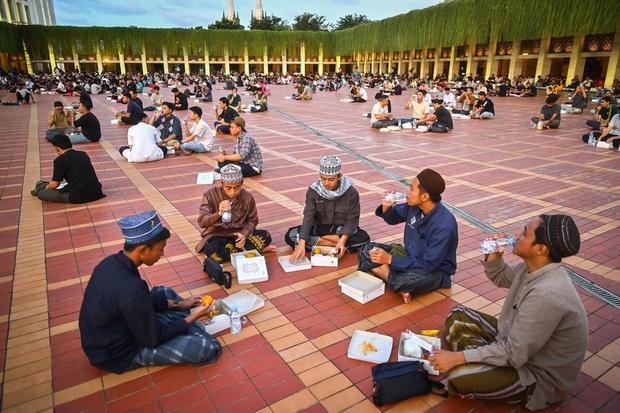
[[383, 344]]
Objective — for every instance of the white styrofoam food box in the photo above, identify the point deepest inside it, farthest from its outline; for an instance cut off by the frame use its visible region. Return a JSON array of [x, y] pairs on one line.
[[251, 270], [236, 255], [303, 264], [327, 258], [362, 287], [432, 341], [381, 342]]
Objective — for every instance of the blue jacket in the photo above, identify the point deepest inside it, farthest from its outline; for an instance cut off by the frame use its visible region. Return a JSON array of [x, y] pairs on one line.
[[119, 315], [430, 241]]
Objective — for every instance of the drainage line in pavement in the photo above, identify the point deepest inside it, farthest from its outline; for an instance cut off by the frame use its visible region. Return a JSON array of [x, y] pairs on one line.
[[600, 292]]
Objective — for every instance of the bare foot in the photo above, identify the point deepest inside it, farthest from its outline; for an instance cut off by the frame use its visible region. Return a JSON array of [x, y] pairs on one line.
[[269, 248], [406, 297]]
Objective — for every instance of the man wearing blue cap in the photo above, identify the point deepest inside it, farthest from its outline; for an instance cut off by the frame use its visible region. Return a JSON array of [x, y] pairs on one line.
[[123, 325]]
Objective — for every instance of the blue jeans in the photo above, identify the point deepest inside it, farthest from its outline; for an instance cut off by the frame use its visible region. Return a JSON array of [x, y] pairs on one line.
[[194, 347], [77, 138], [221, 127], [193, 146]]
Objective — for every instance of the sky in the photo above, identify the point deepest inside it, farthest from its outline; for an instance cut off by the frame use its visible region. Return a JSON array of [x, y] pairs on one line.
[[191, 13]]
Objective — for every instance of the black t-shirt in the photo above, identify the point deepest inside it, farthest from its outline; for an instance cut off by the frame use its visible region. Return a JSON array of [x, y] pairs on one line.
[[136, 110], [504, 90], [90, 126], [532, 90], [487, 104], [75, 168], [229, 114], [444, 116], [138, 101], [181, 100]]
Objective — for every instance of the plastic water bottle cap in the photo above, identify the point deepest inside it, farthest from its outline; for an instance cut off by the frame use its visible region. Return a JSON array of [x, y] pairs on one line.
[[233, 308]]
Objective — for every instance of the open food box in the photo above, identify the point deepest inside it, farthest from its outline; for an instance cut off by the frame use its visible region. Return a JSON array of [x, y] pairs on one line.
[[287, 266], [219, 316], [322, 256], [416, 347], [362, 287], [371, 347], [250, 266]]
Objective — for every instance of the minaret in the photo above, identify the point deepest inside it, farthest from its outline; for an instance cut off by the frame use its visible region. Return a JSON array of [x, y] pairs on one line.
[[258, 10], [230, 10]]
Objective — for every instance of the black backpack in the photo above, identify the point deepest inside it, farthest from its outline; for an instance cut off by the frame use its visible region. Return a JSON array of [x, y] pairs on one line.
[[394, 381]]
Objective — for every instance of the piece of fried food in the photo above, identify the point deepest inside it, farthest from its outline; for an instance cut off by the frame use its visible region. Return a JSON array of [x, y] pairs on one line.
[[366, 347]]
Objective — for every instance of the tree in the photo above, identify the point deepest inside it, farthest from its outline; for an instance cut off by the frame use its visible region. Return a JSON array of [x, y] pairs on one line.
[[351, 20], [226, 24], [272, 22], [310, 22]]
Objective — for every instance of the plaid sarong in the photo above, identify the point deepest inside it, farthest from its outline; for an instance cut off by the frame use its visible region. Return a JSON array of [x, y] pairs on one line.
[[194, 347]]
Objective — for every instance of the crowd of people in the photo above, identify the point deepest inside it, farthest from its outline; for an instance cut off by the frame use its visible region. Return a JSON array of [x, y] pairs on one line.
[[531, 355]]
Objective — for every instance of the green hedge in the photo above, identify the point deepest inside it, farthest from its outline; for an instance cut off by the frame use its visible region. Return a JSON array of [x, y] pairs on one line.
[[455, 23]]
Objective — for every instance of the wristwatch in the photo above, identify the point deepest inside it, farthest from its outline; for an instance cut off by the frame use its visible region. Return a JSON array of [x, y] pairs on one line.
[[175, 303]]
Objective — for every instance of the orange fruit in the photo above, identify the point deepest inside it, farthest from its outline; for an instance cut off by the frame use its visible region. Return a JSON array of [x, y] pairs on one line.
[[250, 255], [206, 300], [317, 251]]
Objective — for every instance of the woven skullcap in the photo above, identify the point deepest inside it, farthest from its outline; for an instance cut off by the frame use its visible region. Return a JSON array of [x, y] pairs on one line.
[[140, 228], [330, 165], [561, 235], [231, 174]]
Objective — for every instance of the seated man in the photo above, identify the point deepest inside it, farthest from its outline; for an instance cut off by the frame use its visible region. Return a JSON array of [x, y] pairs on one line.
[[578, 101], [484, 108], [156, 99], [23, 94], [550, 114], [449, 100], [467, 101], [206, 92], [259, 103], [603, 114], [133, 114], [88, 128], [610, 134], [228, 217], [331, 213], [361, 95], [180, 100], [169, 126], [440, 121], [428, 258], [123, 325], [144, 143], [533, 354], [198, 137], [530, 90], [417, 102], [75, 168], [246, 152], [305, 92], [59, 120], [380, 117], [234, 99], [224, 117]]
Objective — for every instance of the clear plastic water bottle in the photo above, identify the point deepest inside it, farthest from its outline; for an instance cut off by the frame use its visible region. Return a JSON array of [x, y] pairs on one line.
[[400, 123], [591, 139], [397, 197], [489, 246], [235, 320], [227, 216]]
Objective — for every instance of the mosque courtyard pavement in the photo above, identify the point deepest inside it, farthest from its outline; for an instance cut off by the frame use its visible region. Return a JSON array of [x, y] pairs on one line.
[[292, 353]]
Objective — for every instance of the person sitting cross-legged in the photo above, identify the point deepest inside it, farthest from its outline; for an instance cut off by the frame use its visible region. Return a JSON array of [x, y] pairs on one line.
[[133, 114], [428, 258], [610, 134], [331, 213], [144, 143], [168, 124], [532, 354], [484, 108], [76, 169], [440, 121], [59, 120], [199, 136], [124, 325], [550, 114], [380, 117], [88, 128], [224, 117], [228, 218], [246, 152]]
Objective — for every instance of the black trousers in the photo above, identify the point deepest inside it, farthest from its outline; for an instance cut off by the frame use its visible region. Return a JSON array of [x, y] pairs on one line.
[[220, 248], [246, 169], [355, 241], [586, 137]]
